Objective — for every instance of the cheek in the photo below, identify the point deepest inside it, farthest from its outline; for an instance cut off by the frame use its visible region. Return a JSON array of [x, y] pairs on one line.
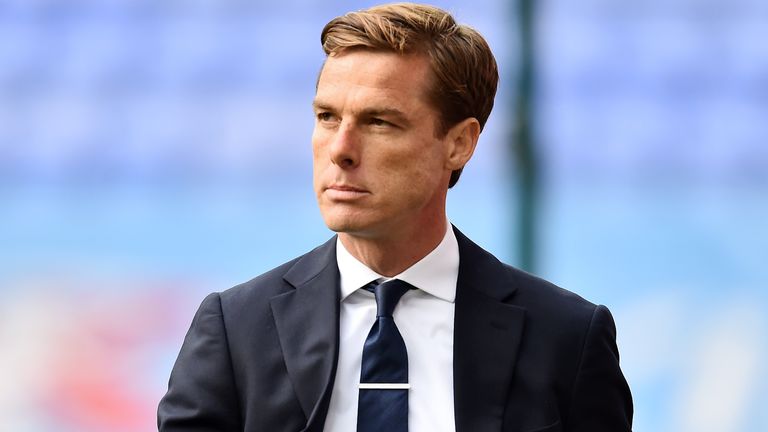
[[315, 144], [320, 138], [318, 164], [413, 174], [318, 151], [423, 162]]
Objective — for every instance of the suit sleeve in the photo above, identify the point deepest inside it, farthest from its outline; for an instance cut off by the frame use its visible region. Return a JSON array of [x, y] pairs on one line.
[[601, 399], [201, 391]]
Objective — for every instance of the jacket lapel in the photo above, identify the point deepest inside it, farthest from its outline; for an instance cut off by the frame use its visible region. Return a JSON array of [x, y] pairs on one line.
[[307, 322], [487, 333]]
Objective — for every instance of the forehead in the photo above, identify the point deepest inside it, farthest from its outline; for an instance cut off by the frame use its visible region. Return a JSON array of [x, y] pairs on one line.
[[374, 74]]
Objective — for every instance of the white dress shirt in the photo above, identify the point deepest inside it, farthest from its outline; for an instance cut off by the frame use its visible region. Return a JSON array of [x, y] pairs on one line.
[[425, 319]]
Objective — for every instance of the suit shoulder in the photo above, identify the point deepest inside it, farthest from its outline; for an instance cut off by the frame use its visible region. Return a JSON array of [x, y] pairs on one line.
[[532, 288], [481, 269], [268, 283], [551, 306], [278, 280], [536, 291]]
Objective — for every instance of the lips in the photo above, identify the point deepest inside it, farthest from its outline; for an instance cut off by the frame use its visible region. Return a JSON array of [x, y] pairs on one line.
[[345, 188], [344, 192]]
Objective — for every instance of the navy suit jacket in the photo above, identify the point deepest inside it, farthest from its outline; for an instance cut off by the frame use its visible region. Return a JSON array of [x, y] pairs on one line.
[[528, 356]]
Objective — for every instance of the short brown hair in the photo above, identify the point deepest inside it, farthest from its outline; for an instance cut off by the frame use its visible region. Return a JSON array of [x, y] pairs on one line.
[[464, 68]]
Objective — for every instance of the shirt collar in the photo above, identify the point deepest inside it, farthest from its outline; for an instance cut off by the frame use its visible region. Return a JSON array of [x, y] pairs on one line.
[[435, 274]]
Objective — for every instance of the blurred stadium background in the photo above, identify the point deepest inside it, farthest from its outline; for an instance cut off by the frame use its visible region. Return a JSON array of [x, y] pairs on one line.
[[154, 151]]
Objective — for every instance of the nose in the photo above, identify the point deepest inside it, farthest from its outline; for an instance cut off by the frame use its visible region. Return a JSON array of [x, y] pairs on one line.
[[344, 147]]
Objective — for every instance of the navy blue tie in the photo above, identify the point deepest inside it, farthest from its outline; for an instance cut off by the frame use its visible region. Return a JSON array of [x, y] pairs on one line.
[[383, 401]]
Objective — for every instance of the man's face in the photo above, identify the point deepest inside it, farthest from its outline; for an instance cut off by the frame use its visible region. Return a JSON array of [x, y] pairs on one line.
[[379, 166]]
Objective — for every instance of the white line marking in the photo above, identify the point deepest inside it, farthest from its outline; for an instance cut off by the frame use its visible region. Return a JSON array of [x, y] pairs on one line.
[[384, 386]]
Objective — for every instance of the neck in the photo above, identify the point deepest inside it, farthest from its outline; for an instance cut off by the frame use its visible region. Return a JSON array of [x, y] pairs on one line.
[[393, 253]]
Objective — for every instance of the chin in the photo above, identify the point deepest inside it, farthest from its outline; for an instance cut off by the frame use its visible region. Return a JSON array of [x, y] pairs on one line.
[[348, 224], [340, 223], [346, 227]]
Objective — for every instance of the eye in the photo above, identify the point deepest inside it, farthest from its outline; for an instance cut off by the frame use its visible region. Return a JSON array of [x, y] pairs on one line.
[[375, 121], [324, 116]]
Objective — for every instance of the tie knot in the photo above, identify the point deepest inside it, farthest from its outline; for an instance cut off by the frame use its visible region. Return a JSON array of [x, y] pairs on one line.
[[388, 294]]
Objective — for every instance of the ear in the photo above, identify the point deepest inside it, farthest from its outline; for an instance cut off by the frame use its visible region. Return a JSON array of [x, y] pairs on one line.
[[461, 142]]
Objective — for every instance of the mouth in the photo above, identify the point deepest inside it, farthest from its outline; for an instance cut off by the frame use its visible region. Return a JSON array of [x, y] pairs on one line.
[[344, 192]]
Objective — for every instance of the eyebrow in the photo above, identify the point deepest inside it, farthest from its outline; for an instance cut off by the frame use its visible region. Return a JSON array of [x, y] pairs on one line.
[[375, 112], [320, 105]]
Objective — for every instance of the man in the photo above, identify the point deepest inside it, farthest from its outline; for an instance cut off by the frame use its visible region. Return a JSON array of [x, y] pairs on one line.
[[465, 343]]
